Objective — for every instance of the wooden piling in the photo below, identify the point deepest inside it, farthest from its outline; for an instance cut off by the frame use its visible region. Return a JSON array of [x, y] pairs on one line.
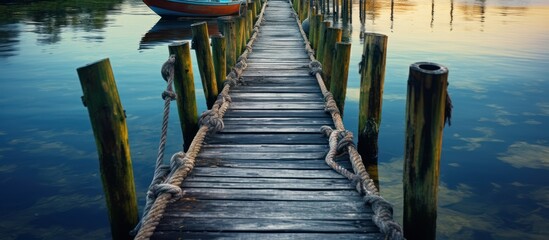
[[312, 28], [250, 24], [297, 6], [184, 89], [219, 46], [340, 66], [248, 29], [258, 5], [227, 28], [319, 19], [201, 42], [108, 121], [425, 116], [241, 35], [333, 36], [304, 13], [251, 7], [238, 36], [372, 77], [322, 40]]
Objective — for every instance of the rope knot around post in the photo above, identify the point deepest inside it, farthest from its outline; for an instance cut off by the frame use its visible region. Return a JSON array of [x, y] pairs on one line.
[[315, 67], [212, 119], [175, 191], [169, 95], [345, 139]]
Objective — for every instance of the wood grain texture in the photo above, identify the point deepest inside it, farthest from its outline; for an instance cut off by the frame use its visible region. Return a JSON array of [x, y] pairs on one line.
[[264, 175]]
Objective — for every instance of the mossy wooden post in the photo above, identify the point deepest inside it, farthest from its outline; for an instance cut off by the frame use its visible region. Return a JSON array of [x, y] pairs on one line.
[[372, 77], [258, 6], [201, 42], [425, 116], [304, 13], [251, 7], [312, 24], [319, 19], [340, 66], [297, 6], [184, 88], [218, 50], [322, 40], [333, 36], [108, 122], [238, 36], [250, 19], [227, 28], [247, 26], [242, 35]]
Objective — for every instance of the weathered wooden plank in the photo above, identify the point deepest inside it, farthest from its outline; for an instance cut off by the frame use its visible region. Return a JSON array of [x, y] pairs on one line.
[[272, 129], [297, 206], [289, 185], [267, 56], [271, 195], [276, 95], [268, 212], [269, 99], [277, 73], [264, 66], [275, 113], [277, 148], [268, 183], [263, 155], [265, 236], [281, 61], [280, 121], [265, 225], [282, 82], [279, 89], [277, 105], [264, 173], [266, 138]]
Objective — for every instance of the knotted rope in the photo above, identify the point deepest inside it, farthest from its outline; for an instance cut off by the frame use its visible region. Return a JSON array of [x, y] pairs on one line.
[[316, 67], [165, 186], [341, 140]]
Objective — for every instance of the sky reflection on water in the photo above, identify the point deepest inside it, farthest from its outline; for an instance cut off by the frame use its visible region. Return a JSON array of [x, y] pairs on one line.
[[495, 157]]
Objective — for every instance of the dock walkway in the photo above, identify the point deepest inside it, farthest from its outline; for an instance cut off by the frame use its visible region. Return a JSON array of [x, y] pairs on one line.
[[264, 175]]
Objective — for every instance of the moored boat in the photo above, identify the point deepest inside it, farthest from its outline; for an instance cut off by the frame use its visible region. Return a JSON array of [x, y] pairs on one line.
[[196, 8]]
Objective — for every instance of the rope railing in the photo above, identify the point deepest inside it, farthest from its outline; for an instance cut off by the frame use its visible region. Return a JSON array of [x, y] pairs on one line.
[[165, 187], [341, 140]]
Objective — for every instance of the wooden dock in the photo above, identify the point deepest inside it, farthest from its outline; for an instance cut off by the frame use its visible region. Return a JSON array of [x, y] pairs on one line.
[[264, 175]]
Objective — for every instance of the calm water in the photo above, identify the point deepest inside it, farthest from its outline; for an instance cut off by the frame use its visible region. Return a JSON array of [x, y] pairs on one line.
[[495, 159]]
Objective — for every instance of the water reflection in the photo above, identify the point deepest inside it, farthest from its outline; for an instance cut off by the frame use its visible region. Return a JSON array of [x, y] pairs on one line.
[[169, 30], [48, 19]]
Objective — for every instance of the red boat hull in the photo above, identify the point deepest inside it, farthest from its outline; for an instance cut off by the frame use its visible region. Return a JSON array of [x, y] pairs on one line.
[[182, 8]]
